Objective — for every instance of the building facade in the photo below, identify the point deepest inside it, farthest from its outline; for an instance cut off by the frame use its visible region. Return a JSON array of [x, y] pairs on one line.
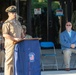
[[44, 25]]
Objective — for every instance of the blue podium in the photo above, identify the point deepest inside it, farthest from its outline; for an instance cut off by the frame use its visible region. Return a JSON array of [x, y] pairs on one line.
[[27, 58]]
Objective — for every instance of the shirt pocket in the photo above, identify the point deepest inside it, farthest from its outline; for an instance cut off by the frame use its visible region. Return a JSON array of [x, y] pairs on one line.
[[12, 29]]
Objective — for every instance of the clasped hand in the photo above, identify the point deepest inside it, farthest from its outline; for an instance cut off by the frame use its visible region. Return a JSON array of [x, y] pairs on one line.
[[72, 45]]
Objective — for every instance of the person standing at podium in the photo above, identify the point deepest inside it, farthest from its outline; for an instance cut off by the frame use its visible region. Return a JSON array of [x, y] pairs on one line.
[[12, 32], [24, 31]]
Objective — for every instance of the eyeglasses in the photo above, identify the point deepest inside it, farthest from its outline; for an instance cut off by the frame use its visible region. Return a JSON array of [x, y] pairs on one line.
[[68, 25]]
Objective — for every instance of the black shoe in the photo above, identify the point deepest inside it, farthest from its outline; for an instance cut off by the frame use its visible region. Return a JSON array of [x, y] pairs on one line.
[[67, 69]]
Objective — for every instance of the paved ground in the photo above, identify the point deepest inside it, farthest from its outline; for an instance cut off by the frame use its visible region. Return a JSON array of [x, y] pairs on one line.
[[72, 72], [59, 59], [52, 70], [1, 74]]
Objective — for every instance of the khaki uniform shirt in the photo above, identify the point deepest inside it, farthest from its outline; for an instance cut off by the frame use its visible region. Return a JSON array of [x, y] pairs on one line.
[[12, 28]]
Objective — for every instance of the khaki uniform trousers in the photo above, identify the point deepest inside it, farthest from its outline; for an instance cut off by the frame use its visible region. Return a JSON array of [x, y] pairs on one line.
[[2, 56], [9, 54], [67, 56]]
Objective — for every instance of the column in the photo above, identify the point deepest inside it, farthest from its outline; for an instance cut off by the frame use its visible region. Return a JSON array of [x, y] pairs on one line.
[[29, 27], [49, 19]]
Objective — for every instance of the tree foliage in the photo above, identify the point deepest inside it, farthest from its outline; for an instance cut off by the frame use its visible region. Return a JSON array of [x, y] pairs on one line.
[[43, 3], [55, 5]]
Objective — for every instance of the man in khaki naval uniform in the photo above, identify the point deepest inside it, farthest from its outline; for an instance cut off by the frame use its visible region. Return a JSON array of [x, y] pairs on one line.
[[12, 32]]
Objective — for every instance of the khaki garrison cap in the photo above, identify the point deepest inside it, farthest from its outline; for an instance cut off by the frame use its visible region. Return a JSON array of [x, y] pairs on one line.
[[11, 9]]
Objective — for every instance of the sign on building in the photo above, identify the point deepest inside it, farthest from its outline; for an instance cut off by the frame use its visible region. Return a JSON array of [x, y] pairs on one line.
[[59, 12], [37, 11]]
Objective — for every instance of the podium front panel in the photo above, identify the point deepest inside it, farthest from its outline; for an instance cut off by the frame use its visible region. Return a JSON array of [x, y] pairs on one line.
[[27, 58]]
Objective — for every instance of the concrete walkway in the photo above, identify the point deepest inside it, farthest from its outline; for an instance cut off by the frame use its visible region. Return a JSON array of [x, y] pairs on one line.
[[72, 72]]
